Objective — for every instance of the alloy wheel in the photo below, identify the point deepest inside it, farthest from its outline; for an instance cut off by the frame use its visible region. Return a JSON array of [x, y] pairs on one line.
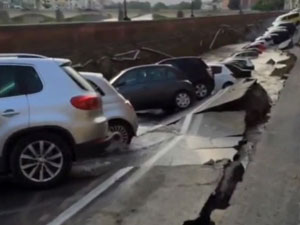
[[41, 161]]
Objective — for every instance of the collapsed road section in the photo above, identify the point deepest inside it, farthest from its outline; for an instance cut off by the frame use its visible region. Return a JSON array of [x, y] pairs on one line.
[[257, 104], [269, 193]]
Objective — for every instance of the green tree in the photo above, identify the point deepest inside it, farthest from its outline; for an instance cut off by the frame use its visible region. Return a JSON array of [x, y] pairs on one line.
[[145, 6], [234, 4], [197, 4], [268, 5], [184, 5], [159, 5], [180, 14]]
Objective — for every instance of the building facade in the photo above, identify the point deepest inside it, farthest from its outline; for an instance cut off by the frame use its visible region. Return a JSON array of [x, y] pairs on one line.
[[291, 4], [245, 4]]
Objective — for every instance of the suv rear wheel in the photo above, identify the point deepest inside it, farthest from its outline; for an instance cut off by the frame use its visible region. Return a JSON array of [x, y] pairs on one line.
[[40, 160]]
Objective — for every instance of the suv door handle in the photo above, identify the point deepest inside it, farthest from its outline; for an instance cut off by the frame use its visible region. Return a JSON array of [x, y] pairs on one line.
[[9, 112]]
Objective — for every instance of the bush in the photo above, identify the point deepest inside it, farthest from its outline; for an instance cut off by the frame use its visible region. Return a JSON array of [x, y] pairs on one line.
[[159, 5], [269, 5], [180, 14]]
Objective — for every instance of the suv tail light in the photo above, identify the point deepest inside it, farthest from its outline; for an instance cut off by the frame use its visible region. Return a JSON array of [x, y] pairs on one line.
[[86, 102]]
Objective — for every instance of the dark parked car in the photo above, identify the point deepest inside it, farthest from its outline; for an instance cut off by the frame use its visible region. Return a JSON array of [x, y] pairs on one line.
[[197, 71], [155, 86], [280, 36], [289, 26], [251, 54], [240, 68], [242, 63]]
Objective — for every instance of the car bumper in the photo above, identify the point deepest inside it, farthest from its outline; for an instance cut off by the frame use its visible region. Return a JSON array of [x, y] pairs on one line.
[[94, 148]]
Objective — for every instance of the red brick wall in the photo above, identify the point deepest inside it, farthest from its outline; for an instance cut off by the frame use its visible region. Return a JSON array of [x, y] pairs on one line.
[[82, 41]]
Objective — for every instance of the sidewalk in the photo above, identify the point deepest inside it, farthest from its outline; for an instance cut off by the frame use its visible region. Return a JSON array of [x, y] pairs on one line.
[[270, 191]]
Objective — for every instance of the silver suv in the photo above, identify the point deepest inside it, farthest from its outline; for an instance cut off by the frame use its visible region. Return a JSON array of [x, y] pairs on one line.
[[48, 114]]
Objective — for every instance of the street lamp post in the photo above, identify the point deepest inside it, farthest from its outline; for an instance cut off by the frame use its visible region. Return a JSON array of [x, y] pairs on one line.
[[126, 18], [192, 9]]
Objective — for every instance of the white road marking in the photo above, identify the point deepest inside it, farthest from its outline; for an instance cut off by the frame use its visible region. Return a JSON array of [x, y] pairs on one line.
[[88, 198]]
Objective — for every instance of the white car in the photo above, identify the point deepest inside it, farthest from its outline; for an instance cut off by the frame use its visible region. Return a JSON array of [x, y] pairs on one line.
[[118, 111], [223, 76]]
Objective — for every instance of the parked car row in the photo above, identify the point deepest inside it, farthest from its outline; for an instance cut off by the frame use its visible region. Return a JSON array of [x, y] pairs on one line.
[[50, 113], [280, 33]]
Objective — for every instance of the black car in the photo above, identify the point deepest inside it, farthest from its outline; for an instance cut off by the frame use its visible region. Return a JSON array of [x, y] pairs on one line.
[[239, 68], [155, 86], [244, 64], [290, 27], [280, 36], [248, 53], [197, 72]]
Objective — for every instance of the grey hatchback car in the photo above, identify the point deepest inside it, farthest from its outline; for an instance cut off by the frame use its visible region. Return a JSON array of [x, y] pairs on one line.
[[155, 86], [48, 114], [119, 112]]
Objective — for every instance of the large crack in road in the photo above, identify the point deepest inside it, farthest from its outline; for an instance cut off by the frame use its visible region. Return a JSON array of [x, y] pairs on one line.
[[257, 105]]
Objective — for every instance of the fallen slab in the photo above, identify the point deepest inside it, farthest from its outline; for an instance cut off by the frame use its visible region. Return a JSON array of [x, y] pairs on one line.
[[245, 95]]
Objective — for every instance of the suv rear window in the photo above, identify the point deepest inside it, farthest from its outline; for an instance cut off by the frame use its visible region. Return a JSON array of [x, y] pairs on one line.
[[77, 78], [18, 80]]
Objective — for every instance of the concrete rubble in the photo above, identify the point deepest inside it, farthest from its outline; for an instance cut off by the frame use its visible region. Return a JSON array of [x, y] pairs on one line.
[[273, 178]]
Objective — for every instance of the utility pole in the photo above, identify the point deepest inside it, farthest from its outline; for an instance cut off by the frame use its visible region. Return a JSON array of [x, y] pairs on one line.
[[126, 18], [192, 8]]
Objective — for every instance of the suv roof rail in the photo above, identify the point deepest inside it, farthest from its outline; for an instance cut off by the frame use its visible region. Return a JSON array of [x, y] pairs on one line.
[[22, 55]]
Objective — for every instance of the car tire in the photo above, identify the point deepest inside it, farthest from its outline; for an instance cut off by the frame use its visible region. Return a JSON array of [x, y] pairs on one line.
[[201, 91], [183, 100], [40, 160], [227, 84], [123, 129]]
